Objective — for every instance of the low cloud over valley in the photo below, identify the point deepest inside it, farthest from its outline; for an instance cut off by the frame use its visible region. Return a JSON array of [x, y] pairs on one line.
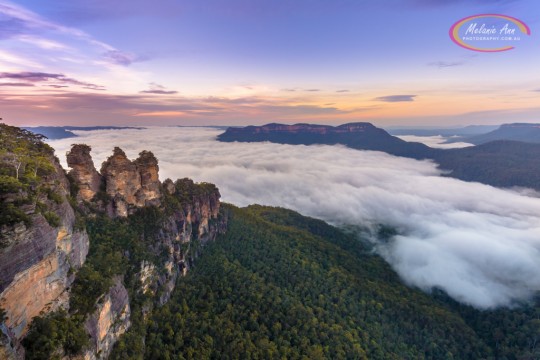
[[478, 243]]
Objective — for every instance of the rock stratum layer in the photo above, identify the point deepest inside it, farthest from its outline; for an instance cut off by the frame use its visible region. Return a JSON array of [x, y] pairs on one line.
[[39, 261]]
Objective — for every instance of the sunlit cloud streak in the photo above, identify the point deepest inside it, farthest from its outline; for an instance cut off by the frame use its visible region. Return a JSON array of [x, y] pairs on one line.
[[395, 98]]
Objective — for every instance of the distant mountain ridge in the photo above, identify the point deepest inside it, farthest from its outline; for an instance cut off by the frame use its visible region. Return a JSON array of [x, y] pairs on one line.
[[517, 132], [358, 135], [499, 163]]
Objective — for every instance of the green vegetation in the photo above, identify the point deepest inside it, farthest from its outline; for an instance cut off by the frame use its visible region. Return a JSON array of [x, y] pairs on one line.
[[271, 289], [25, 160], [52, 218], [512, 334], [23, 153], [277, 285], [186, 189], [111, 240], [282, 286], [2, 315], [55, 331]]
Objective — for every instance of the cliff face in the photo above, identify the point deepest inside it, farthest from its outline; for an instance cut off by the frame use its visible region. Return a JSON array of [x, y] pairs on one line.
[[299, 128], [37, 260], [191, 218], [186, 230], [131, 184], [108, 322]]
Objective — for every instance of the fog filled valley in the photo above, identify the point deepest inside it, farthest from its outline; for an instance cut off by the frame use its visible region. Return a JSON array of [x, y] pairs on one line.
[[162, 242], [478, 243], [269, 180]]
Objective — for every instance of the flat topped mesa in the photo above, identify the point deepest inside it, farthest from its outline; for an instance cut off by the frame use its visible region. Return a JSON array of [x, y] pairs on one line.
[[130, 184]]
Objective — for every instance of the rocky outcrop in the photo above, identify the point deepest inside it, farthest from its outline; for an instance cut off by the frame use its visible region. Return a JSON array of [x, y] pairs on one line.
[[150, 190], [147, 276], [83, 171], [108, 322], [131, 184], [7, 349], [37, 260], [193, 222]]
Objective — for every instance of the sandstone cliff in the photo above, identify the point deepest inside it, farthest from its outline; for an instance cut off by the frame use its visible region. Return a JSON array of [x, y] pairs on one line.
[[38, 258], [110, 320], [192, 223], [83, 171], [131, 184]]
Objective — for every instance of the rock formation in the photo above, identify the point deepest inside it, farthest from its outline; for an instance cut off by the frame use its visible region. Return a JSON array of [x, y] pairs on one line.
[[110, 320], [37, 260], [83, 171], [131, 184], [196, 221]]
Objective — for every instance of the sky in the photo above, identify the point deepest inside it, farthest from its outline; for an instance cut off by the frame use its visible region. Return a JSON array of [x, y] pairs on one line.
[[477, 242], [239, 62]]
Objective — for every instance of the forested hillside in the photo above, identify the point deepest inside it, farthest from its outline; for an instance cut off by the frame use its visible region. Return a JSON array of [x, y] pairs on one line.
[[279, 285]]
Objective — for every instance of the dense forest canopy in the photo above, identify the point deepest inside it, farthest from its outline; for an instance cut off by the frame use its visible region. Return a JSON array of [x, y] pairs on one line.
[[279, 285]]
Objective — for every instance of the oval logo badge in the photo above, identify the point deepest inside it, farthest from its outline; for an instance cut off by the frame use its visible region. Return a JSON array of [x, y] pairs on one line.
[[489, 32]]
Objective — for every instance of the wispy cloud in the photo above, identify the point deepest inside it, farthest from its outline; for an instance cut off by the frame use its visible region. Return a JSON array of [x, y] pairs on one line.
[[42, 43], [16, 84], [40, 77], [301, 89], [122, 58], [142, 107], [158, 90], [29, 22], [342, 91], [446, 64], [161, 114], [395, 98], [26, 26]]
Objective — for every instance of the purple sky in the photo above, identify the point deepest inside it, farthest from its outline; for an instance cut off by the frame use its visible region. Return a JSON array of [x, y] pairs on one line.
[[225, 62]]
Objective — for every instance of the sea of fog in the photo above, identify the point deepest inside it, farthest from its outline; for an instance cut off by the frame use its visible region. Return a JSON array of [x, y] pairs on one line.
[[478, 243], [436, 141]]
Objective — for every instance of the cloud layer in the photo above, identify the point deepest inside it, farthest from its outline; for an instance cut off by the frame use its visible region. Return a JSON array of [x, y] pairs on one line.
[[41, 77], [395, 98], [437, 141], [478, 243]]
